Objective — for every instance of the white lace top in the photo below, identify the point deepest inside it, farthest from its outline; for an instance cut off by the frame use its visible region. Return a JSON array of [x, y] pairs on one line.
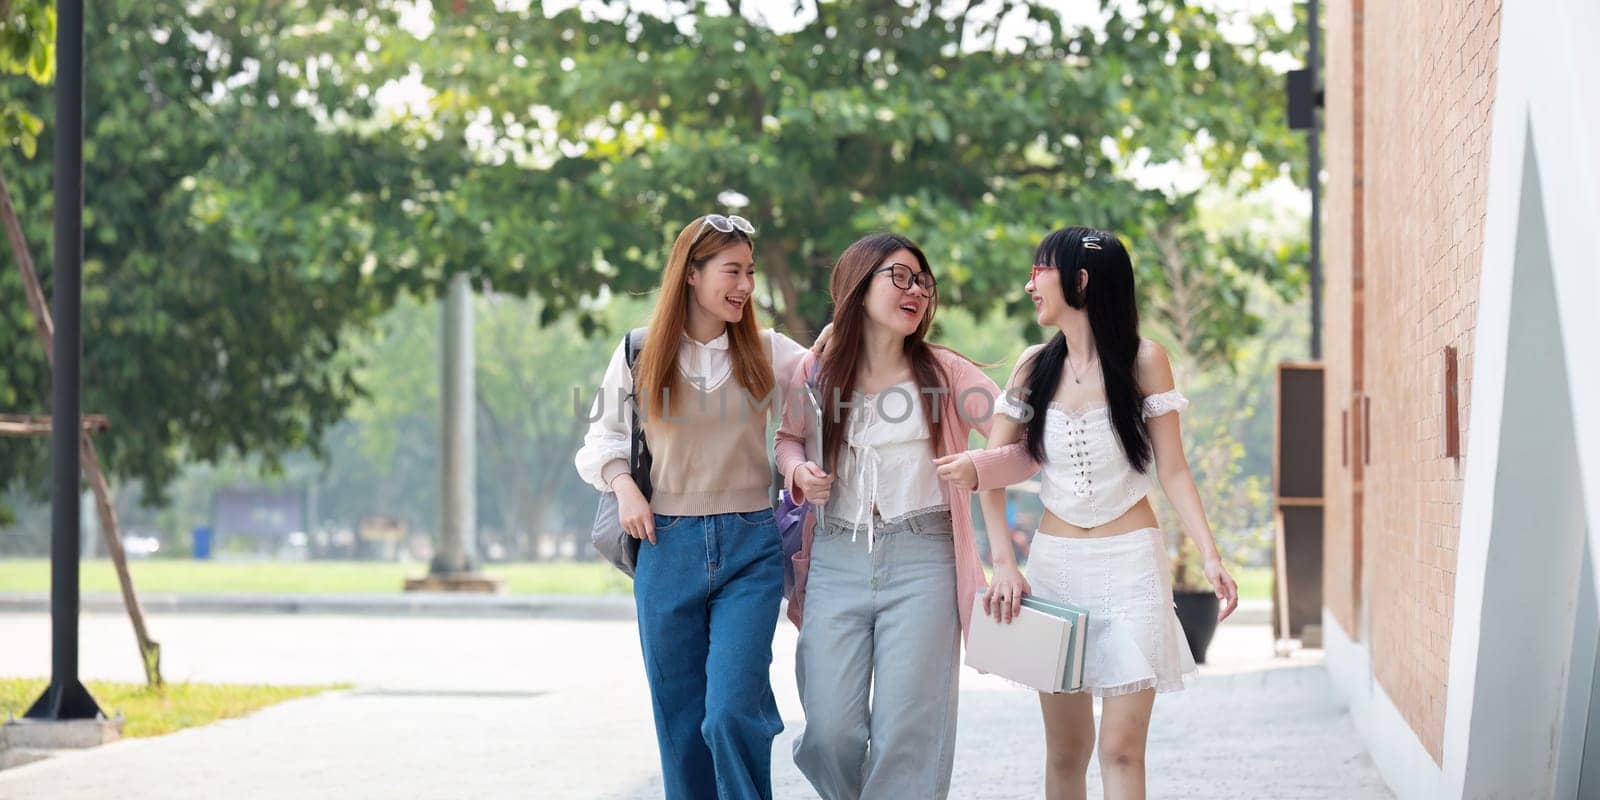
[[887, 461], [1087, 480]]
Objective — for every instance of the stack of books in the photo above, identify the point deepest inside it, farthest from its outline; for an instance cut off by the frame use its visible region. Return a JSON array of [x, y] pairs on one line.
[[1042, 647]]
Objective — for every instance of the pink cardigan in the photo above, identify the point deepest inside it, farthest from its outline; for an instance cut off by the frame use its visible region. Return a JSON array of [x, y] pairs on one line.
[[969, 404]]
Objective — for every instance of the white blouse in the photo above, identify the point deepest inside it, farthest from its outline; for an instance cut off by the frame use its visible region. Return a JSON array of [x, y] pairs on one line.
[[704, 364], [887, 463], [1087, 480]]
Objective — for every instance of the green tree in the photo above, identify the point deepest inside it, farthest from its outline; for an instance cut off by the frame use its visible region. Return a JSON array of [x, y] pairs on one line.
[[604, 129], [265, 179], [229, 235], [27, 48], [534, 389], [1228, 428], [384, 458]]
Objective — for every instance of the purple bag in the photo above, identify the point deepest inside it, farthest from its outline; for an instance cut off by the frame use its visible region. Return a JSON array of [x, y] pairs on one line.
[[791, 529], [791, 516]]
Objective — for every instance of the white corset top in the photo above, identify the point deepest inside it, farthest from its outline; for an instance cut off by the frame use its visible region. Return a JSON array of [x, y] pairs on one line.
[[1087, 480], [887, 462]]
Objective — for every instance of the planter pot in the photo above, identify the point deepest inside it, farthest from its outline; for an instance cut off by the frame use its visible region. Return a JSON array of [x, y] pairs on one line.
[[1197, 613]]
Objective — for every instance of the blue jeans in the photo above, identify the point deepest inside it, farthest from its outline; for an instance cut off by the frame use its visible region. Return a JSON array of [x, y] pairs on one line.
[[707, 594]]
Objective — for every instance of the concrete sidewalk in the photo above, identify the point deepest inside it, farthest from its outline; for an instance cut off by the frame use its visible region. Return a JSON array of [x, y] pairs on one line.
[[555, 709]]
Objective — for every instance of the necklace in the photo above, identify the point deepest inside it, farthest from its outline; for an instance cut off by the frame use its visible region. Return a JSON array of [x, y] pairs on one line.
[[1075, 377]]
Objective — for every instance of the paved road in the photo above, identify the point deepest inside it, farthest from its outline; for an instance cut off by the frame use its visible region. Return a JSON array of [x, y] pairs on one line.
[[451, 708]]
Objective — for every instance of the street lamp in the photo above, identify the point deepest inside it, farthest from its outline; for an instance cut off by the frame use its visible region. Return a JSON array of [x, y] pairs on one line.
[[66, 698], [1304, 90]]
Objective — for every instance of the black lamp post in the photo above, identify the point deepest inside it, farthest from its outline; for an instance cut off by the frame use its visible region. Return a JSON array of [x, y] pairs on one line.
[[1305, 99], [66, 698]]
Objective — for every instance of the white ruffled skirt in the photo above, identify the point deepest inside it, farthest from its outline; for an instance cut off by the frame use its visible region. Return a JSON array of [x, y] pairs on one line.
[[1125, 583]]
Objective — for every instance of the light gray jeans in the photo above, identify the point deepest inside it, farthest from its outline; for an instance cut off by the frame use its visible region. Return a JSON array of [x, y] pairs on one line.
[[884, 623]]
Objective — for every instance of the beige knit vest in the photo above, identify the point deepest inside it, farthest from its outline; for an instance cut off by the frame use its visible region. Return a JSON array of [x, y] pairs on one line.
[[710, 453]]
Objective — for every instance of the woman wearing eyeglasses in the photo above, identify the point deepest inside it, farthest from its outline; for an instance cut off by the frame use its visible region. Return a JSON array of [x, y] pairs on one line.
[[709, 576], [885, 581], [1100, 413]]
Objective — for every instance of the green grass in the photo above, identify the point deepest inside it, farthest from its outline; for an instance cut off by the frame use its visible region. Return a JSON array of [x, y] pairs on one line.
[[563, 578], [153, 712], [313, 577], [1255, 583], [357, 577]]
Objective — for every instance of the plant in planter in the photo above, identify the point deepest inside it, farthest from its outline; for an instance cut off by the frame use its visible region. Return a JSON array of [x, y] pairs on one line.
[[1245, 249], [1236, 506]]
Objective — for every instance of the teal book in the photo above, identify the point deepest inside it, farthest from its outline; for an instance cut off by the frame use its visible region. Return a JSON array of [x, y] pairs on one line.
[[1072, 659]]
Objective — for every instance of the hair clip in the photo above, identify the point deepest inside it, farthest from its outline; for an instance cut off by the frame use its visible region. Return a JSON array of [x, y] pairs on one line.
[[1091, 243]]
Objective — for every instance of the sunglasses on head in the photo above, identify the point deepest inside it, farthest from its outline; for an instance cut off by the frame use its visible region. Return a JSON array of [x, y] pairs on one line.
[[724, 224]]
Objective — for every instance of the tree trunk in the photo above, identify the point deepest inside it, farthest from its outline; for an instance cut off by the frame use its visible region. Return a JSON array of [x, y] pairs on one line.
[[149, 649], [775, 261], [30, 279]]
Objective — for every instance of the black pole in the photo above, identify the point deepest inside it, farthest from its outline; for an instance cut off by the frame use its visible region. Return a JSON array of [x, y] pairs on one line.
[[66, 698], [1313, 149]]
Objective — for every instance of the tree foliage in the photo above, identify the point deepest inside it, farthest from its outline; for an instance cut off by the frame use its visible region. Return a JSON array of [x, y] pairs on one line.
[[265, 179]]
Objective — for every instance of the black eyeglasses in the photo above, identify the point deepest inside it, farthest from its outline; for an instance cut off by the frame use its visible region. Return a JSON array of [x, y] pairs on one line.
[[903, 277], [728, 224]]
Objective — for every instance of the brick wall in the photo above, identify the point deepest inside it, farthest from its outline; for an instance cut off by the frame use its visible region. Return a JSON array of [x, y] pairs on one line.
[[1342, 82], [1412, 139]]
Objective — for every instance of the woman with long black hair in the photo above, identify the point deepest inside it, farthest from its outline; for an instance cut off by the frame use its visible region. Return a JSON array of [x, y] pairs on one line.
[[1099, 413]]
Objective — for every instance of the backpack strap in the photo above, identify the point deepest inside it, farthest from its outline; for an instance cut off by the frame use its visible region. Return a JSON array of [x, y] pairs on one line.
[[635, 342], [639, 459]]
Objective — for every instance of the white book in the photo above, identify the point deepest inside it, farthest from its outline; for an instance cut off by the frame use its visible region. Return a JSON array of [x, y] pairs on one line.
[[1042, 647]]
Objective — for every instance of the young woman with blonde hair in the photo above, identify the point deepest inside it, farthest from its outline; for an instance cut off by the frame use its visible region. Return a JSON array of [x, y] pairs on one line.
[[709, 576]]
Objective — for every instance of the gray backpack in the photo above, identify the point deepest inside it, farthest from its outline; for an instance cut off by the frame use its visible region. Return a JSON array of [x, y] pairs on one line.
[[609, 539]]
